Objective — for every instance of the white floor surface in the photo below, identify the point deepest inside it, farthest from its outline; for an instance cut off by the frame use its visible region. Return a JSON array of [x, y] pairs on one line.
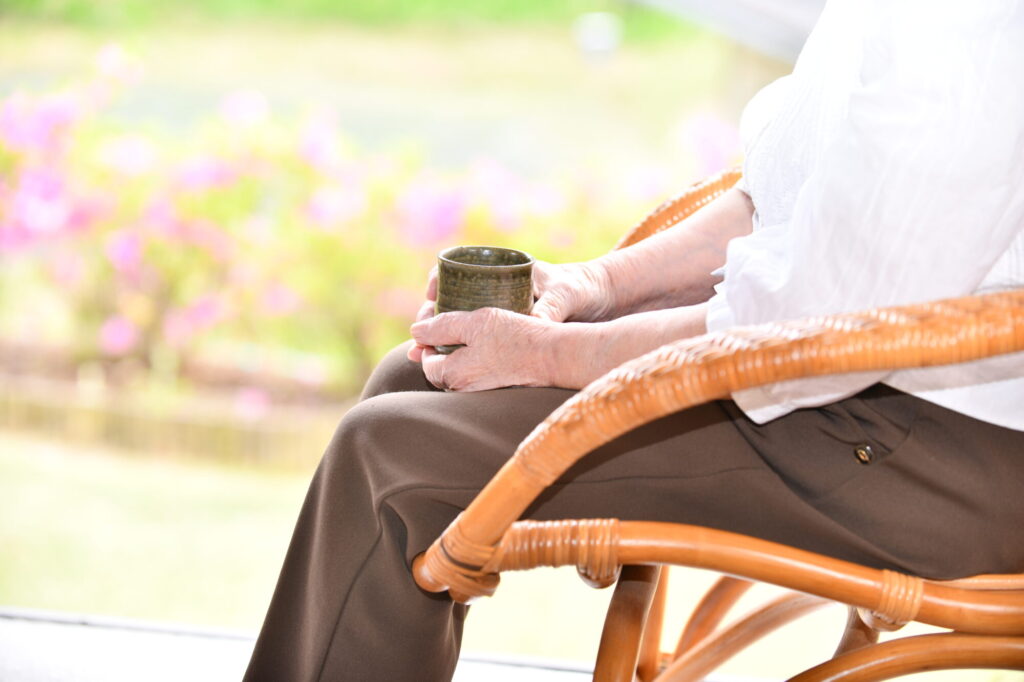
[[40, 646]]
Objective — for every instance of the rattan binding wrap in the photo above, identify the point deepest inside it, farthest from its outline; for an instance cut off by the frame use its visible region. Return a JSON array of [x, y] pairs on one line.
[[589, 544]]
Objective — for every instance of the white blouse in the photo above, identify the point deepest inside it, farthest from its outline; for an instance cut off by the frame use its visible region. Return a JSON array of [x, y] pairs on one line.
[[887, 169]]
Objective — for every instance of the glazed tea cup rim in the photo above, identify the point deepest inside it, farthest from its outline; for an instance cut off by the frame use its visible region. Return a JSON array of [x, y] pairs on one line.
[[443, 256]]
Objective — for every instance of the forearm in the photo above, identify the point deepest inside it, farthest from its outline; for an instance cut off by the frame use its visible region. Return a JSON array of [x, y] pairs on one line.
[[673, 268], [582, 352]]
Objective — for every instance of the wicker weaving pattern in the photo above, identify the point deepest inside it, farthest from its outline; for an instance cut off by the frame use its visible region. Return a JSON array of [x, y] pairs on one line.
[[693, 371]]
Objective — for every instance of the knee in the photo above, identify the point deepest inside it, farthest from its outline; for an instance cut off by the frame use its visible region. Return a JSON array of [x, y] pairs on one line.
[[396, 373], [394, 455], [372, 440], [353, 436], [411, 440]]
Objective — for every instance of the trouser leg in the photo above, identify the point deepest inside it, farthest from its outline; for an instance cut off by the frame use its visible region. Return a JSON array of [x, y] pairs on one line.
[[345, 607]]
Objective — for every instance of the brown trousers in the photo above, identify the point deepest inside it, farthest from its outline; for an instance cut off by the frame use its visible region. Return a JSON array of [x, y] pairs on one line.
[[941, 497]]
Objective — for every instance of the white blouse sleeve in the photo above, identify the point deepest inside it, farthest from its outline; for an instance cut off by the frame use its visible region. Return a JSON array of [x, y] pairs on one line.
[[920, 193]]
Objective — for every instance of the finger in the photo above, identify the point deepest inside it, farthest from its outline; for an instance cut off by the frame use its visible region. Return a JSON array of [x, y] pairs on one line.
[[415, 353], [432, 284], [426, 311], [550, 306], [434, 367], [446, 329]]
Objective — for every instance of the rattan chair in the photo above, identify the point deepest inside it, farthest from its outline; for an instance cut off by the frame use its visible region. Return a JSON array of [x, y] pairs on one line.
[[984, 614]]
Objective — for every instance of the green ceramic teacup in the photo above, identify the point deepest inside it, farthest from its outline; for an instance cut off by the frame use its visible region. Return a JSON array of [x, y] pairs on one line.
[[471, 277]]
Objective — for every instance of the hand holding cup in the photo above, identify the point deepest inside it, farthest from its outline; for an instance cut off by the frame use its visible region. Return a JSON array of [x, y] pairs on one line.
[[473, 277]]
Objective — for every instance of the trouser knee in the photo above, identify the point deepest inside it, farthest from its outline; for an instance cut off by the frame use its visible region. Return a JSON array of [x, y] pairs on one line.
[[389, 458]]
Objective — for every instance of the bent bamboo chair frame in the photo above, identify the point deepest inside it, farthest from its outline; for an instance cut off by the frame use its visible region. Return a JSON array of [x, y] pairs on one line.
[[985, 614]]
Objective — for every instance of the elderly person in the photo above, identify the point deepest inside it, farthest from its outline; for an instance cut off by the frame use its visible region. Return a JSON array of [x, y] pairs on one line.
[[887, 169]]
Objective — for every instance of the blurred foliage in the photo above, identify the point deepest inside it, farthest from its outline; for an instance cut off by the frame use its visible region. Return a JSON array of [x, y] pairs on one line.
[[261, 244], [640, 24]]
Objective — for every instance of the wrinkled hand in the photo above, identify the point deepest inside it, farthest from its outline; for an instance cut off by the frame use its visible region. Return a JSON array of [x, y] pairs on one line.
[[501, 348], [571, 292], [578, 292]]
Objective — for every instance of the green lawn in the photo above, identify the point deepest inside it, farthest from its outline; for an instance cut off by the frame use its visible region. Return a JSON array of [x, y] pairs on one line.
[[96, 531]]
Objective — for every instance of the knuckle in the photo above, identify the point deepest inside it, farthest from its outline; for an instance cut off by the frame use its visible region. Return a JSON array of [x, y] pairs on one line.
[[483, 318]]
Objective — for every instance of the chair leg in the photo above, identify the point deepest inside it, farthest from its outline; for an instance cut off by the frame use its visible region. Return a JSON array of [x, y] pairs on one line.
[[718, 648], [710, 611], [624, 624], [857, 634], [944, 651], [649, 664]]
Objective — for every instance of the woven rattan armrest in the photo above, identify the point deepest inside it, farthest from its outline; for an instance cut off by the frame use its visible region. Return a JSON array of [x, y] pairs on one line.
[[693, 371]]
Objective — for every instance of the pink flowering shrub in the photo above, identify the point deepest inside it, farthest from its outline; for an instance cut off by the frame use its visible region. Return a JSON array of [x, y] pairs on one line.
[[255, 242]]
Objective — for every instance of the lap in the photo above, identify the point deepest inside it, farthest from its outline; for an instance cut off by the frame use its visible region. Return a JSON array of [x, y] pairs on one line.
[[796, 480]]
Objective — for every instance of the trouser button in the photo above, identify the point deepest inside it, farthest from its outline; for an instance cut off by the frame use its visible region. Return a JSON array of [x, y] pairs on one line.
[[864, 454]]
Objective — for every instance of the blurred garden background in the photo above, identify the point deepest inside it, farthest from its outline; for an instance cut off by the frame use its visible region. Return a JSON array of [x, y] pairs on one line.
[[216, 215]]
